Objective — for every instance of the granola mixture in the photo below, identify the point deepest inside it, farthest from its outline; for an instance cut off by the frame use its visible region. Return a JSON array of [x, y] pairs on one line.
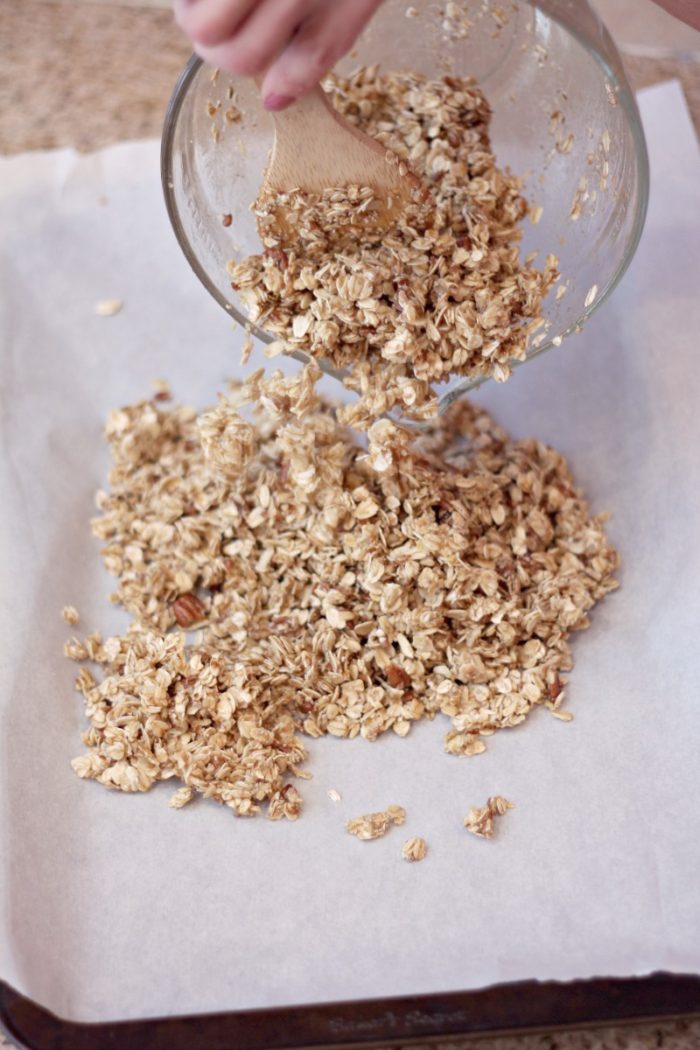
[[480, 821], [284, 581], [374, 825], [440, 292], [414, 849]]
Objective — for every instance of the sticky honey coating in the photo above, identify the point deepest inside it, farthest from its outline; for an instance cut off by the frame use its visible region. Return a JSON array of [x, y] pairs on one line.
[[439, 291]]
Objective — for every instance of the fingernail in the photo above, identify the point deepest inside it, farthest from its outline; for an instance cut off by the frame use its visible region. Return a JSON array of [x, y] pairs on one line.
[[276, 102]]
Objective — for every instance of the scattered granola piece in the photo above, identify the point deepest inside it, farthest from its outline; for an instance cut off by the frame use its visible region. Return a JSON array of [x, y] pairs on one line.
[[161, 388], [246, 350], [285, 803], [480, 821], [374, 825], [396, 814], [414, 849], [75, 650], [181, 797], [333, 795], [370, 826], [108, 307], [70, 615], [566, 144]]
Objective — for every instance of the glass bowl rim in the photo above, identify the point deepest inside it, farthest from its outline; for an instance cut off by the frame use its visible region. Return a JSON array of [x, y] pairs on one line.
[[624, 96]]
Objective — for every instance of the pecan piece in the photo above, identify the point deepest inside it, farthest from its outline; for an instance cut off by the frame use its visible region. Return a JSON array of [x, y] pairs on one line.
[[188, 609], [554, 688], [397, 677], [278, 256]]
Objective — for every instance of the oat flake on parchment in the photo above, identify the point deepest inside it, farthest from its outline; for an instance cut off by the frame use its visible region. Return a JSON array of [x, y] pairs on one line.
[[374, 825], [480, 821], [414, 849]]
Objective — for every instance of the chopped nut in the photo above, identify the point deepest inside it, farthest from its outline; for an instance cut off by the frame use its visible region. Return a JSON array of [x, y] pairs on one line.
[[188, 610], [226, 219], [70, 615], [397, 677]]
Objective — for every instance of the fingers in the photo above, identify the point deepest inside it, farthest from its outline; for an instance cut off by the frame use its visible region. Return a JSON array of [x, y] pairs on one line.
[[687, 10], [326, 34], [211, 22], [259, 39], [296, 41]]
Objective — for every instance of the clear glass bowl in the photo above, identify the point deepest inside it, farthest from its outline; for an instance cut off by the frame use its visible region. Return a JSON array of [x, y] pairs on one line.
[[564, 118]]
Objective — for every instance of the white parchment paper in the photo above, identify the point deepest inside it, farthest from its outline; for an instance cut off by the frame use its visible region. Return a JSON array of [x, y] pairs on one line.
[[117, 906]]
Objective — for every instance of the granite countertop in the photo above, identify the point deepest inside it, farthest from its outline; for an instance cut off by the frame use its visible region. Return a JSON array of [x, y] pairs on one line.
[[89, 74]]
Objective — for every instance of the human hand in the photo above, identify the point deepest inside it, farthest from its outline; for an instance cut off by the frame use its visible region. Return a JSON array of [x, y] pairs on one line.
[[292, 42], [687, 10]]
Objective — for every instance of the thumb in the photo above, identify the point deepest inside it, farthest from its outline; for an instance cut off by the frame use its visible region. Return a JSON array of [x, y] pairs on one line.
[[321, 39]]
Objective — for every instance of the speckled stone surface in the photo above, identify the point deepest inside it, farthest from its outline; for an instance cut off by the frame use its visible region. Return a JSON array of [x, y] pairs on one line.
[[89, 74], [84, 75]]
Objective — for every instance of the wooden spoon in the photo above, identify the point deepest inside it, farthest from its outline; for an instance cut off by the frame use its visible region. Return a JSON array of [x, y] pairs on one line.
[[316, 149]]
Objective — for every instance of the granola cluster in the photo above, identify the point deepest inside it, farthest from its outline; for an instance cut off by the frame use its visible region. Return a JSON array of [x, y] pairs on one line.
[[374, 825], [414, 849], [480, 820], [285, 581], [437, 292]]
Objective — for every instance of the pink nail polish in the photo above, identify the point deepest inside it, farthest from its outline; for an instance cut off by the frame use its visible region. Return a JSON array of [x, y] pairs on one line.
[[276, 102]]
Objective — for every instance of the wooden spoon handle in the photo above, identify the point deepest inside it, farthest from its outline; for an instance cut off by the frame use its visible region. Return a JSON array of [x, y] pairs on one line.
[[317, 149]]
